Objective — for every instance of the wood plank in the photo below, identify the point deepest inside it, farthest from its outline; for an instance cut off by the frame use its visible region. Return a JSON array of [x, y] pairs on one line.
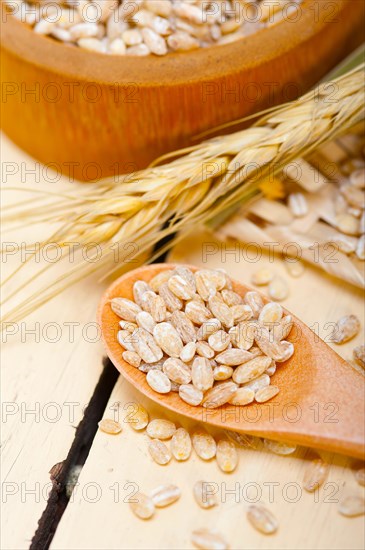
[[98, 518], [51, 363]]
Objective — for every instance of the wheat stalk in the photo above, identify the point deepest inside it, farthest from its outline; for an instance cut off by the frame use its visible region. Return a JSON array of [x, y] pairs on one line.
[[203, 182]]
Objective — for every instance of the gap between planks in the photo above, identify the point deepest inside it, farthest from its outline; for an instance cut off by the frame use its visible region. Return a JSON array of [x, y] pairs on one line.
[[84, 437], [78, 453]]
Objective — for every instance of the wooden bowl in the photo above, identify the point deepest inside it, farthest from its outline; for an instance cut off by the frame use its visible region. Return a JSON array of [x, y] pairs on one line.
[[90, 115]]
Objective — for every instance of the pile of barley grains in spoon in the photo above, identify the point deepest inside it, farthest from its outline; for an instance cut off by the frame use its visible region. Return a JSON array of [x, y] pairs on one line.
[[191, 333]]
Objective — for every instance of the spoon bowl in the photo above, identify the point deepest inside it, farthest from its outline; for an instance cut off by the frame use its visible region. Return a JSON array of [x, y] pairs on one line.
[[321, 398]]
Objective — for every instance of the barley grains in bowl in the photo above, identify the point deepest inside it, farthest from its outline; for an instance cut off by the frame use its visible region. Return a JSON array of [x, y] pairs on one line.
[[190, 339], [150, 27], [124, 95]]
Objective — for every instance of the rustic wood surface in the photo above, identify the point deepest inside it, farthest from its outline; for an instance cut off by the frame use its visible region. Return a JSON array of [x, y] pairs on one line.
[[116, 110], [44, 376], [98, 516]]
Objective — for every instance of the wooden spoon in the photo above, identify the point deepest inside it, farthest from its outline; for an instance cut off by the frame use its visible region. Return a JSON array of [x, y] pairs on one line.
[[321, 399]]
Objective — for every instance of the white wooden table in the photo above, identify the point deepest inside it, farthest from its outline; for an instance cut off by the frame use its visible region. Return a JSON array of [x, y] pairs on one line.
[[48, 381]]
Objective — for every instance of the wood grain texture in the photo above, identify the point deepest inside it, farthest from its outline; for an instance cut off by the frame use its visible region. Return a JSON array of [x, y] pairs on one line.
[[314, 374], [108, 115]]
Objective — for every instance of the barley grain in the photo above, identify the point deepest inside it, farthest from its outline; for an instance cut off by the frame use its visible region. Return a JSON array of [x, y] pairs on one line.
[[145, 345], [110, 426], [219, 395], [159, 279], [243, 396], [126, 339], [202, 374], [154, 41], [157, 307], [182, 41], [346, 328], [164, 495], [139, 288], [184, 326], [241, 312], [140, 50], [352, 506], [359, 356], [315, 475], [146, 367], [360, 476], [272, 369], [161, 429], [158, 381], [91, 44], [295, 268], [279, 447], [188, 352], [206, 539], [262, 519], [177, 371], [244, 440], [182, 288], [168, 339], [159, 452], [142, 506], [231, 298], [197, 312], [128, 325], [173, 303], [221, 311], [204, 445], [243, 335], [208, 328], [254, 300], [139, 418], [258, 383], [190, 394], [262, 277], [233, 357], [181, 445], [281, 330], [251, 369], [278, 289], [132, 358], [146, 321], [186, 274], [265, 394], [126, 309], [84, 30], [270, 313], [227, 456], [219, 341], [204, 494], [222, 372], [204, 350]]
